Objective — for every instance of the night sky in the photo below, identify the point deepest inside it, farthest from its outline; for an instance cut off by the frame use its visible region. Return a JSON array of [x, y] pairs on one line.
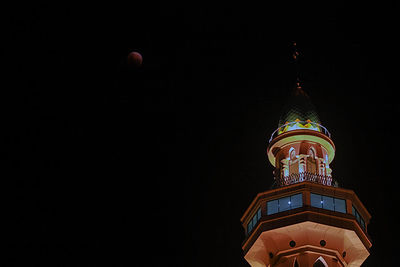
[[105, 164]]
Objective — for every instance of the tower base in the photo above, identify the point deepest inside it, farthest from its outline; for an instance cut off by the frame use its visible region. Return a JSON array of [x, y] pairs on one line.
[[308, 243]]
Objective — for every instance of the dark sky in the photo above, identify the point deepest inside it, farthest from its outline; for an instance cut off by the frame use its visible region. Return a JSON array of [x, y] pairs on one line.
[[104, 164]]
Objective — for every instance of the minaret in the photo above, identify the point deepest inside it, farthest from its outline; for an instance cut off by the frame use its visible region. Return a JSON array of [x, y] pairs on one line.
[[306, 219]]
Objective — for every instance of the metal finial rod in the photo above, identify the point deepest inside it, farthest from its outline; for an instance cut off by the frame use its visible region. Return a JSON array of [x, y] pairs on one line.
[[295, 56], [295, 52]]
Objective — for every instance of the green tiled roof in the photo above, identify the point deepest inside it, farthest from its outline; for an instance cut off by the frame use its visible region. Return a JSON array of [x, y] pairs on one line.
[[298, 107]]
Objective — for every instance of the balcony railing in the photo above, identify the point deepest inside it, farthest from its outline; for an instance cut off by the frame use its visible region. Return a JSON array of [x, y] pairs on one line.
[[300, 125], [295, 178]]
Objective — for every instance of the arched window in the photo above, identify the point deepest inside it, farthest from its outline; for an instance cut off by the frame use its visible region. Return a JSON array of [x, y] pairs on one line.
[[292, 154], [293, 162], [296, 264], [311, 152], [311, 162], [320, 262]]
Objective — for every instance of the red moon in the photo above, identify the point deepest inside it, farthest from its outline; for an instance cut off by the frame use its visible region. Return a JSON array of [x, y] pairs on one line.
[[135, 59]]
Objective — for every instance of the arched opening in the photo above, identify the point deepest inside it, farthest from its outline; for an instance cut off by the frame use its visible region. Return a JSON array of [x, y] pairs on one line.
[[311, 162], [311, 152], [292, 153], [293, 162], [296, 264], [320, 262]]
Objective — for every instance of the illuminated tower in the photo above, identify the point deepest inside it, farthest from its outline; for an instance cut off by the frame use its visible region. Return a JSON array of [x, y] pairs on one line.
[[306, 219]]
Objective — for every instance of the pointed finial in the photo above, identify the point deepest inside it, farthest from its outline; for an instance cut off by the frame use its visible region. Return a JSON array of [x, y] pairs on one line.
[[298, 83], [295, 58], [295, 52]]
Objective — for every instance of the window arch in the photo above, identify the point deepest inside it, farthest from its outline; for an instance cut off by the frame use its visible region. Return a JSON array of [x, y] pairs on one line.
[[293, 162], [320, 262], [311, 152], [311, 161], [295, 264], [292, 153]]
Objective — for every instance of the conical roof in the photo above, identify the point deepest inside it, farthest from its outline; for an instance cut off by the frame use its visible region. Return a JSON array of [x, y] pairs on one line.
[[298, 108]]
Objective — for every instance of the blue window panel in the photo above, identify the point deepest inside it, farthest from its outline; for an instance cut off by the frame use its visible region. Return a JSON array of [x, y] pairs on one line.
[[249, 227], [362, 223], [358, 217], [296, 201], [258, 214], [328, 203], [340, 205], [284, 204], [272, 207], [353, 210], [316, 200], [254, 220]]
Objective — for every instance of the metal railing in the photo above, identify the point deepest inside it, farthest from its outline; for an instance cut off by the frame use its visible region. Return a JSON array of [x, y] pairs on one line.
[[295, 178], [316, 127]]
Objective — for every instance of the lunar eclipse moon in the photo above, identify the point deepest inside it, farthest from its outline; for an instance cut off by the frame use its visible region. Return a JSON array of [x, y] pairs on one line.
[[135, 59]]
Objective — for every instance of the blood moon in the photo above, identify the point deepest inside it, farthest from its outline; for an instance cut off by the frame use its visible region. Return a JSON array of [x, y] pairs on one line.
[[135, 59]]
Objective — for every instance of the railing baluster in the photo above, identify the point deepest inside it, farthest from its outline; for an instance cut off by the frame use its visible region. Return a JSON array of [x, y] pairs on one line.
[[321, 128], [295, 178]]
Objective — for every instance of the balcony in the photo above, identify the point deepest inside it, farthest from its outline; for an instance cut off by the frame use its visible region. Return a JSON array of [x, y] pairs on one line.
[[300, 125], [295, 178]]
